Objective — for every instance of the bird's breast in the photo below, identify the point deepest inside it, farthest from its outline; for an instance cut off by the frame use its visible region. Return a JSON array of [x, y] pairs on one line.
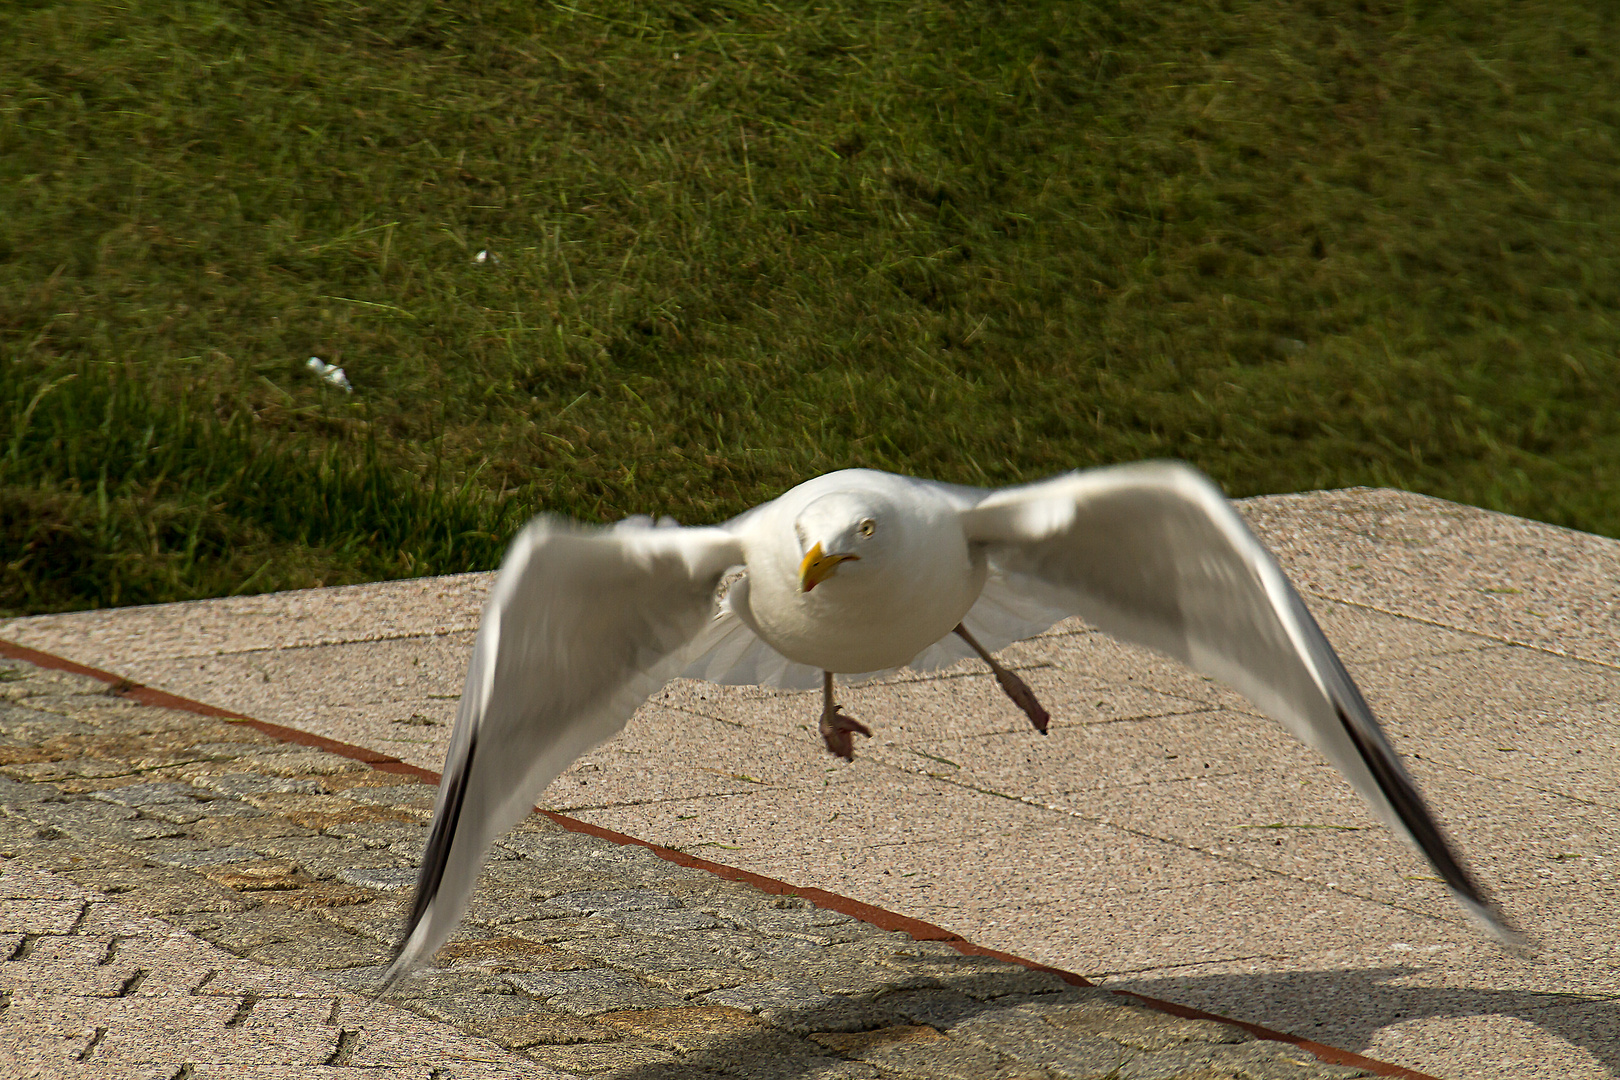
[[860, 620]]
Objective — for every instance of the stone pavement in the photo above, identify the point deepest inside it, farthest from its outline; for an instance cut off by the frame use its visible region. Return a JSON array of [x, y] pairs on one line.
[[184, 896], [1163, 839]]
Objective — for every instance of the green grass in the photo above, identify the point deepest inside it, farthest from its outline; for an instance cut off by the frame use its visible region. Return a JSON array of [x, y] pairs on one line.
[[1301, 244]]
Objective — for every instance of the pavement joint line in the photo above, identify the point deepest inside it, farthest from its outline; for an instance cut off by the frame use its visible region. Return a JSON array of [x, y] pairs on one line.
[[1498, 639], [1210, 852], [879, 918], [1441, 763], [328, 643]]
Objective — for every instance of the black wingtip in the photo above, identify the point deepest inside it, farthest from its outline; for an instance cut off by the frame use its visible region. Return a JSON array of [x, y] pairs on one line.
[[1419, 821], [435, 858]]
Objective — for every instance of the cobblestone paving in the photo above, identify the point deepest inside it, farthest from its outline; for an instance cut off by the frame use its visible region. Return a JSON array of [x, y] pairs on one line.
[[130, 832]]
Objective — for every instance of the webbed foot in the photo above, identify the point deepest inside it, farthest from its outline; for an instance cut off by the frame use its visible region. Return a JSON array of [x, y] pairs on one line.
[[838, 732], [837, 729], [1023, 697], [1015, 688]]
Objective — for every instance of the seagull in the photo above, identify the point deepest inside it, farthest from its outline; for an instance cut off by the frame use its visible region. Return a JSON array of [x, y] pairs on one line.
[[856, 573]]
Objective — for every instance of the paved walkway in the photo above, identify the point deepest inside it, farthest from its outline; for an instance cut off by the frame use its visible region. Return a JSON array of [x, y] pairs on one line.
[[1162, 839], [187, 896]]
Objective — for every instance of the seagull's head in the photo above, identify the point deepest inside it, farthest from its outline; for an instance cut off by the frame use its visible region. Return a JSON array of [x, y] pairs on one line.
[[840, 527]]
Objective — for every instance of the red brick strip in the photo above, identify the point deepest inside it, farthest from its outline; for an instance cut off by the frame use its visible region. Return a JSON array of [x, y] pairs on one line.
[[879, 917]]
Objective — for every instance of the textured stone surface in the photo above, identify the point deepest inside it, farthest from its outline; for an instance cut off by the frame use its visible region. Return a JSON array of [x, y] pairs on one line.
[[141, 927], [113, 994]]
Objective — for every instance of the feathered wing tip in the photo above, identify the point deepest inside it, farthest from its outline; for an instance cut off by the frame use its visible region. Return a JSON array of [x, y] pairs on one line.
[[414, 946], [581, 626], [1487, 917], [1412, 815], [408, 956], [1385, 783]]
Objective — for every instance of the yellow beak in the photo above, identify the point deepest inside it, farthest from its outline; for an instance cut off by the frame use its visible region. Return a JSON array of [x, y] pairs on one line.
[[818, 567]]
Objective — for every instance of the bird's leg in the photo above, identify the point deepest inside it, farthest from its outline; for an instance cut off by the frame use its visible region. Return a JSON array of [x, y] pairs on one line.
[[837, 730], [1016, 688]]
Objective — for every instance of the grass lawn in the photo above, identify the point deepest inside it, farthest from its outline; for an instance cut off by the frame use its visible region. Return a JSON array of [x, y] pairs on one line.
[[725, 246]]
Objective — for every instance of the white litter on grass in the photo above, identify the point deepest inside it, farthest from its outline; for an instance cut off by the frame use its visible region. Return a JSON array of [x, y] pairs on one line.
[[487, 256], [331, 373]]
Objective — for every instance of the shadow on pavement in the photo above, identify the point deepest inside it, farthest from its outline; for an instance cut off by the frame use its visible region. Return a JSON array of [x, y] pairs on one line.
[[1589, 1021], [964, 1026]]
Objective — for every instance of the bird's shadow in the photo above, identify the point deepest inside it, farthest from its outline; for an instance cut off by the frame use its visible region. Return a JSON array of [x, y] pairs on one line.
[[1357, 1003], [1361, 1001]]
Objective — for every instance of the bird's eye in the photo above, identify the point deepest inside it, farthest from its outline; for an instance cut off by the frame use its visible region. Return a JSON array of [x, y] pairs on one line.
[[868, 527]]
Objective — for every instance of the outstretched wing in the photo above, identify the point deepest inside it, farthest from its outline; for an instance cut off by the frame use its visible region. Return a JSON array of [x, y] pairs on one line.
[[582, 625], [1154, 554]]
